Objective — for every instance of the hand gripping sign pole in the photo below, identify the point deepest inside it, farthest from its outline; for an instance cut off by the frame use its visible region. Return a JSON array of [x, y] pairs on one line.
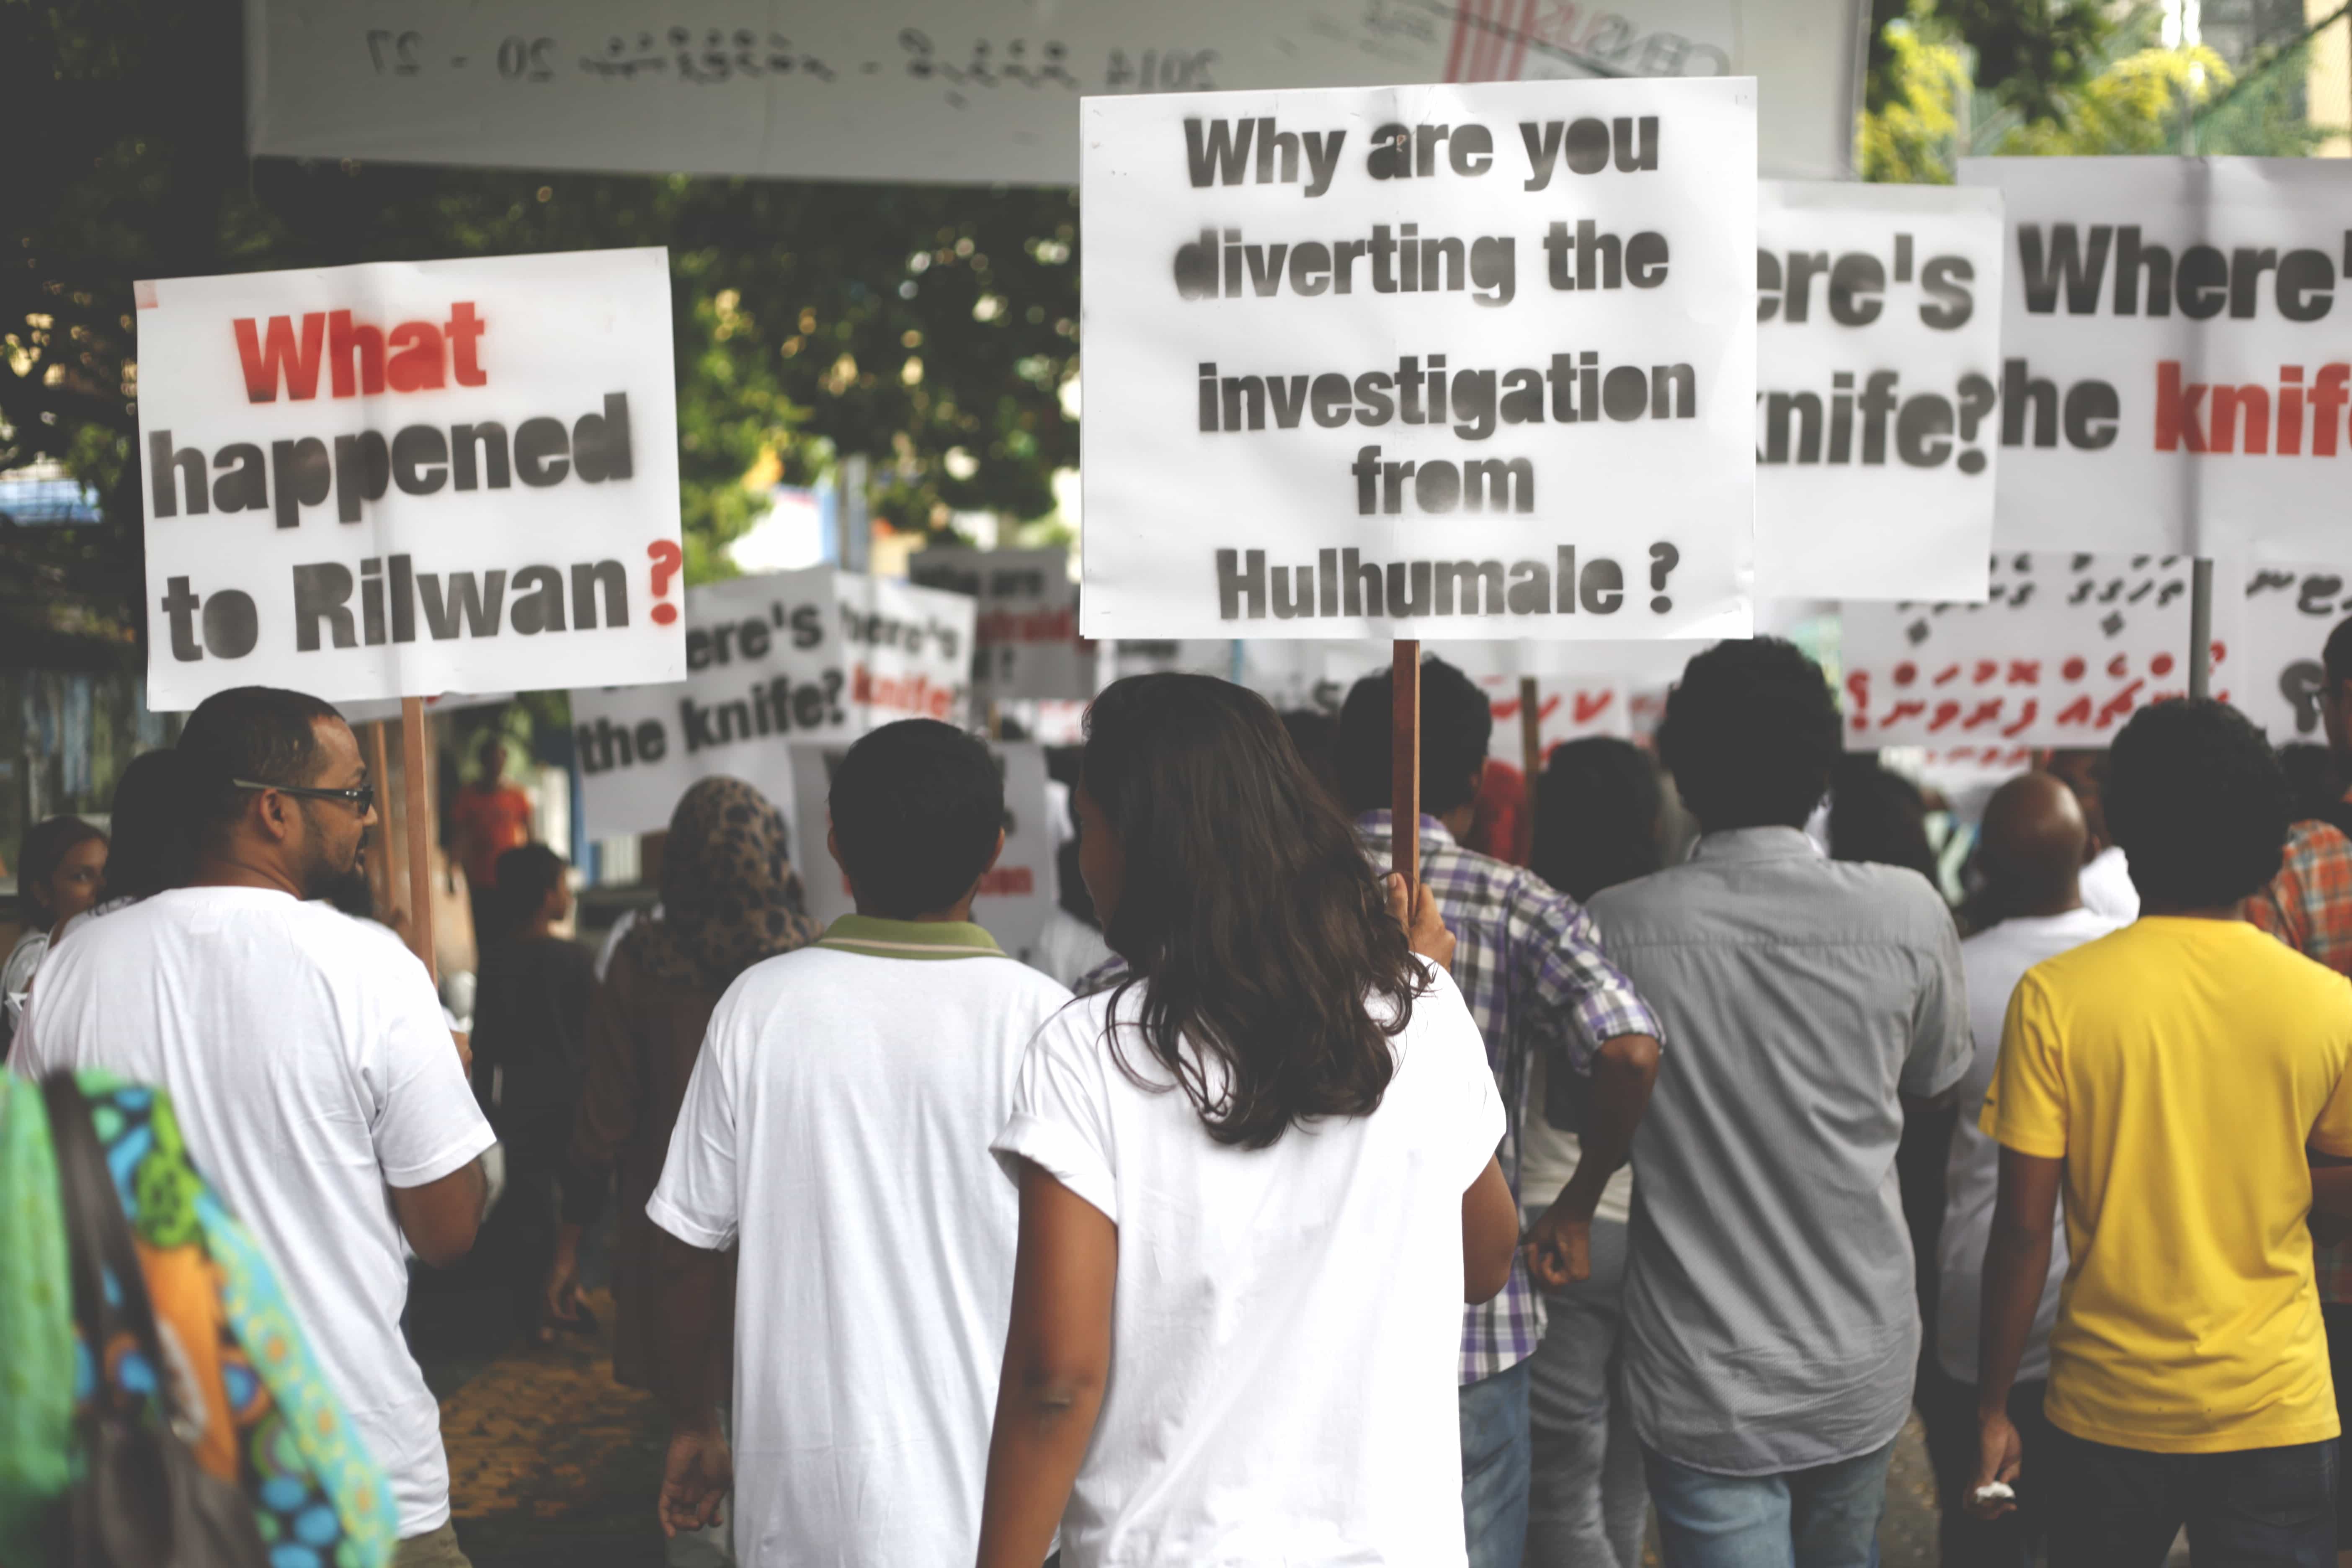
[[1404, 764], [412, 788]]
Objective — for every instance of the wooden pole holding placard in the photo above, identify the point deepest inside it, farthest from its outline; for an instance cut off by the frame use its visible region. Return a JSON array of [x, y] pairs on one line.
[[1531, 759], [419, 834], [2200, 628], [379, 883], [1405, 762]]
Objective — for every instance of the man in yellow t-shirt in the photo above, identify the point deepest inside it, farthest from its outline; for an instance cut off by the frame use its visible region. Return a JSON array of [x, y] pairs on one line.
[[2179, 1079]]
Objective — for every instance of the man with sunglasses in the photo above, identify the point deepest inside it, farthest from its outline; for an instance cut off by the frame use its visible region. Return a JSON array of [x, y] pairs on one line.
[[315, 1079]]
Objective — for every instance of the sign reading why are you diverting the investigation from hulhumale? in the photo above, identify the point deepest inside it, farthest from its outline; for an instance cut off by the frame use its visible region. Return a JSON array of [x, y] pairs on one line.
[[1448, 361]]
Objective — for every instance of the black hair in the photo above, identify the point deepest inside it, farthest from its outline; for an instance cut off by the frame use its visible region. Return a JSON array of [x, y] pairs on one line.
[[2314, 790], [1597, 804], [1316, 735], [153, 849], [2197, 802], [1247, 914], [916, 806], [1750, 735], [526, 874], [1879, 817], [1457, 726], [2336, 658], [1070, 885], [264, 733], [44, 849]]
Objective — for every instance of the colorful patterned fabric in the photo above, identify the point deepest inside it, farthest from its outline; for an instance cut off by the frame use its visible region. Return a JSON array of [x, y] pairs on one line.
[[2308, 906], [255, 1412], [1529, 964]]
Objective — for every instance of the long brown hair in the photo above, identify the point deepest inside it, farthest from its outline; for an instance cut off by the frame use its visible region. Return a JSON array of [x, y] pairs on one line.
[[1255, 927]]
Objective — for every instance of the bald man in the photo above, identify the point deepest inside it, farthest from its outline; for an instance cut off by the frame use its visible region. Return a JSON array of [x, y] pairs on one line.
[[2029, 854]]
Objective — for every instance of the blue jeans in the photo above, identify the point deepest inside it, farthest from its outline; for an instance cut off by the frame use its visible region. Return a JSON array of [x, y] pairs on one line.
[[1586, 1506], [1822, 1518], [2120, 1508], [1494, 1468]]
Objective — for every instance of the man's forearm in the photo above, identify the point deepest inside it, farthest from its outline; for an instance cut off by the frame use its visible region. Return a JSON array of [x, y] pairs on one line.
[[2016, 1263], [690, 1306], [1623, 1072], [2331, 1187]]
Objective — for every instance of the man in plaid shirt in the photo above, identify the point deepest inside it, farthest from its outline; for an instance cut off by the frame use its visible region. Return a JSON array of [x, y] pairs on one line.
[[2308, 906], [1528, 963]]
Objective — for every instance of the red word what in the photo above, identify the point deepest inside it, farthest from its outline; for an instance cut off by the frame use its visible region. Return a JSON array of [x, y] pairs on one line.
[[361, 360], [2255, 419]]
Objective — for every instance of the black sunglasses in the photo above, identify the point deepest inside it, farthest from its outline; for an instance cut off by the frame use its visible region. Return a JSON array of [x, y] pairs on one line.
[[363, 797]]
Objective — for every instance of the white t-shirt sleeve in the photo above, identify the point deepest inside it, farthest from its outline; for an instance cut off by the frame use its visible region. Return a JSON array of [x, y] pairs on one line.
[[696, 1200], [1442, 1025], [1061, 1112], [427, 1124]]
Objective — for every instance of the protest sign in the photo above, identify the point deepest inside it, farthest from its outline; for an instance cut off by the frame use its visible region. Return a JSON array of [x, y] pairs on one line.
[[1351, 374], [2175, 377], [957, 90], [1877, 359], [2065, 649], [2288, 612], [1567, 709], [816, 653], [1027, 647], [387, 710], [406, 478], [1016, 896]]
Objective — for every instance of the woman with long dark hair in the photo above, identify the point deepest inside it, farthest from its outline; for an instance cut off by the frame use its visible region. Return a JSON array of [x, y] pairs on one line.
[[1257, 1179]]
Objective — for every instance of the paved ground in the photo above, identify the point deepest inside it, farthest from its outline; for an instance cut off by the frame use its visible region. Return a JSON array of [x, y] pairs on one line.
[[552, 1465]]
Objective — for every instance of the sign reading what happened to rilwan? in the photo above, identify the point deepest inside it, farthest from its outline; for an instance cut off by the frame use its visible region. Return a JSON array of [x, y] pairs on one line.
[[1445, 362], [406, 478]]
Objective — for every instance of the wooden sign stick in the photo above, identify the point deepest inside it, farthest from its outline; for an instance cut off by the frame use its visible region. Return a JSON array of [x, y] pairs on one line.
[[1531, 759], [419, 830], [380, 882], [1404, 765]]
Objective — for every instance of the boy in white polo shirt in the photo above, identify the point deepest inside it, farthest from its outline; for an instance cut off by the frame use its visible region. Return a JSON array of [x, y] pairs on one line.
[[836, 1128]]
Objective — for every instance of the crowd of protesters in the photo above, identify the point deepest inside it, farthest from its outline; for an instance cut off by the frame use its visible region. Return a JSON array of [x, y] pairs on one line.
[[1331, 1220]]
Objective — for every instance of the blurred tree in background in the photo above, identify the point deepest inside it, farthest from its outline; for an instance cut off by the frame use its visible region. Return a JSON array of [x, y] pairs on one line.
[[1954, 79], [931, 329]]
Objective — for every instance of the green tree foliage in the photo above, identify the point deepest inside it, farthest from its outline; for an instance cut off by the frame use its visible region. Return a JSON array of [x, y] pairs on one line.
[[2134, 96], [932, 329]]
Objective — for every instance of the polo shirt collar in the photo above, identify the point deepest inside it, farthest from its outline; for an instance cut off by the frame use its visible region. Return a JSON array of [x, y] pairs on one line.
[[1381, 823], [922, 939], [1752, 844]]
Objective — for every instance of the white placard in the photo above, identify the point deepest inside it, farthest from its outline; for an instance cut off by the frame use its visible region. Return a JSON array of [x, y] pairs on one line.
[[1017, 895], [1878, 366], [1281, 290], [2288, 612], [404, 479], [958, 90], [813, 654], [386, 711], [1027, 647], [2066, 649], [1567, 709], [2179, 364]]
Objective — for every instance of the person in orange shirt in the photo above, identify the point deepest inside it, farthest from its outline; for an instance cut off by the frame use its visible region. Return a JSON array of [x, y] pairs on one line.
[[491, 816]]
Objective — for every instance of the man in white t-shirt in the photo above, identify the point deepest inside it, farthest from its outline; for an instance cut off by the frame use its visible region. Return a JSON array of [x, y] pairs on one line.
[[316, 1082], [2030, 855], [836, 1129]]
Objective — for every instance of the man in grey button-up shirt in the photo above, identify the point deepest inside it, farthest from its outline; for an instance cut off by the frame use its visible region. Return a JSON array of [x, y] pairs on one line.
[[1773, 1328]]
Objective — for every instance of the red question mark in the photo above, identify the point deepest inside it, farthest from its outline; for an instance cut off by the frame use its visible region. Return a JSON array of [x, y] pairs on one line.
[[667, 558]]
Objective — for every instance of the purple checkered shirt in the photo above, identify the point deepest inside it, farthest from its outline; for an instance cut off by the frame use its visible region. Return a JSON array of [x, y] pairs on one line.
[[1528, 960]]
